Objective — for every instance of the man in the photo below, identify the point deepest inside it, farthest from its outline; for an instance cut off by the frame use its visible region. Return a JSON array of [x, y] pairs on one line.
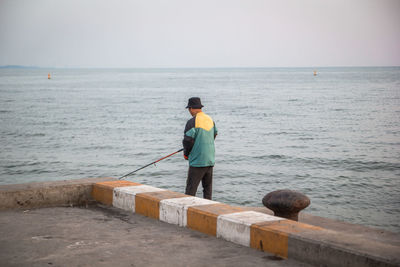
[[198, 148]]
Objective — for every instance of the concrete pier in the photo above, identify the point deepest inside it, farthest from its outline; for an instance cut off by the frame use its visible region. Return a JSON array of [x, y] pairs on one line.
[[312, 240], [106, 236], [48, 194]]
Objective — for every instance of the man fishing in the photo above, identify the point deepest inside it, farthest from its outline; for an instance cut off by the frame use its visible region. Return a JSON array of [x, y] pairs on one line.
[[198, 148]]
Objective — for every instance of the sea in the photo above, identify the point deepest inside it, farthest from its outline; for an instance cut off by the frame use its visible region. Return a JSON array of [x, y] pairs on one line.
[[334, 136]]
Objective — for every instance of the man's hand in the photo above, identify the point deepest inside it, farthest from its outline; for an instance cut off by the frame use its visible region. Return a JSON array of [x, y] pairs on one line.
[[185, 157]]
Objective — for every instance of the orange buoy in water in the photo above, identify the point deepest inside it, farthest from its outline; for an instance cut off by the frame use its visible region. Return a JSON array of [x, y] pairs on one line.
[[315, 73], [48, 76]]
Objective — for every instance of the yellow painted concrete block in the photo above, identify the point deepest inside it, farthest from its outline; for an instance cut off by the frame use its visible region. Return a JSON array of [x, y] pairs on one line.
[[103, 191], [273, 236], [148, 204], [204, 218]]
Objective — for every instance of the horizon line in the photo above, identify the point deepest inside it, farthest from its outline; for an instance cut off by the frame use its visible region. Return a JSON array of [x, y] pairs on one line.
[[219, 67]]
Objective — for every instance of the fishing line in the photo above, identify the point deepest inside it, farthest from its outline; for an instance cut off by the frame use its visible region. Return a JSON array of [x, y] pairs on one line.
[[154, 162]]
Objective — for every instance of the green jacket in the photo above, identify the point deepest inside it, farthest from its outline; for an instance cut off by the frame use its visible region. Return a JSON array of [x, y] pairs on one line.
[[198, 141]]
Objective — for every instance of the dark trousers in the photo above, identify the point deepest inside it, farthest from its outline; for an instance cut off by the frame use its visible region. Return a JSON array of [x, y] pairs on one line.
[[197, 174]]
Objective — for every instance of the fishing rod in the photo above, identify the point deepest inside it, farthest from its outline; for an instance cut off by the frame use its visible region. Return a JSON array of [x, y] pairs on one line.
[[150, 164]]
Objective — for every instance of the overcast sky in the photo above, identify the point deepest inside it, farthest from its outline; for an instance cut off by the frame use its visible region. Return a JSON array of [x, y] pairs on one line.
[[203, 33]]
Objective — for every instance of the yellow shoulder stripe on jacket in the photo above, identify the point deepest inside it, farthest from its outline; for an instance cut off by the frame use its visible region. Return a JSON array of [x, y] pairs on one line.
[[204, 121]]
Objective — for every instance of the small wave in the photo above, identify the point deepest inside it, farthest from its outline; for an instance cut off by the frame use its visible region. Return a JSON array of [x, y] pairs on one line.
[[302, 176], [345, 164], [305, 138], [139, 154], [246, 203], [34, 134], [39, 171], [270, 157], [297, 147], [27, 172], [362, 166], [156, 173], [105, 147], [25, 164], [277, 133], [350, 164]]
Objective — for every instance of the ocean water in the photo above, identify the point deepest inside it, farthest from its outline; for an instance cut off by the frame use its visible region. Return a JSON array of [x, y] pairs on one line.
[[334, 137]]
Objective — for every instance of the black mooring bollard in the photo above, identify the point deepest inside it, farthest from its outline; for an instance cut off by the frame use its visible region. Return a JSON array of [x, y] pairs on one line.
[[286, 203]]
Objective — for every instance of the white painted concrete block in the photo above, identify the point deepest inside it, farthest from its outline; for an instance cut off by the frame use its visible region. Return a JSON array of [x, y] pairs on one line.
[[124, 197], [174, 210], [235, 227]]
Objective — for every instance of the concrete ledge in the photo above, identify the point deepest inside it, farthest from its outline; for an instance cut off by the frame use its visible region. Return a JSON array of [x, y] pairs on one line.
[[282, 237], [174, 210], [342, 244], [124, 197], [275, 235], [103, 191], [47, 194], [148, 204], [204, 218], [338, 249], [235, 227]]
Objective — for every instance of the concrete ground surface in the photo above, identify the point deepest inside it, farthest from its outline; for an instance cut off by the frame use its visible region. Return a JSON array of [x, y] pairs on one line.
[[102, 236]]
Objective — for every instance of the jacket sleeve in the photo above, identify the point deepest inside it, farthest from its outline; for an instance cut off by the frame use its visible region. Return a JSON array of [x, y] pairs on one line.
[[189, 136], [215, 131]]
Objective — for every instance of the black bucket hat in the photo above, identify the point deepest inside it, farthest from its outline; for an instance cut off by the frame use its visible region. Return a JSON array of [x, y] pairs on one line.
[[194, 102]]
